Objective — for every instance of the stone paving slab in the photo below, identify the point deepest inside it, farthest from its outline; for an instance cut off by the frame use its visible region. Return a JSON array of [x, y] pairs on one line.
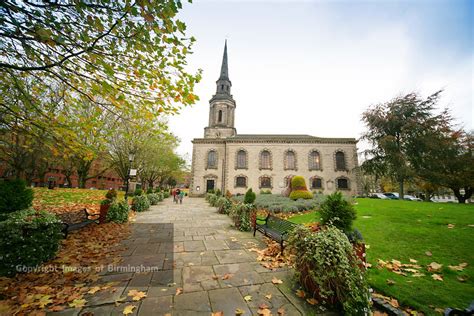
[[228, 301]]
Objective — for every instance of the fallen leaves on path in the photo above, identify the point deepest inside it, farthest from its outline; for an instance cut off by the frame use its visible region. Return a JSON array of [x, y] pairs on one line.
[[128, 309], [276, 281], [65, 280], [179, 291], [312, 301], [216, 314], [281, 311], [226, 276], [271, 257], [268, 296], [300, 293], [239, 311], [136, 295], [248, 298]]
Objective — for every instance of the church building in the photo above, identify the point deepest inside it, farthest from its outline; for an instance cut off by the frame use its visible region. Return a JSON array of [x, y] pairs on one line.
[[226, 160]]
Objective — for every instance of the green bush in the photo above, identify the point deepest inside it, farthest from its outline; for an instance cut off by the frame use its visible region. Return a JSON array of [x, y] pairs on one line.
[[218, 192], [28, 238], [277, 203], [241, 212], [298, 183], [249, 197], [224, 205], [149, 191], [14, 196], [337, 211], [213, 199], [301, 194], [154, 198], [158, 190], [118, 212], [140, 203], [327, 258], [138, 192], [265, 192], [166, 194]]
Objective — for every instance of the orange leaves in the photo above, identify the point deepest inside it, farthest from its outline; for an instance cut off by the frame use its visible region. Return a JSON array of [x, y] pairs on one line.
[[136, 295], [312, 301], [271, 257], [300, 293], [179, 291], [276, 281], [128, 309], [226, 276]]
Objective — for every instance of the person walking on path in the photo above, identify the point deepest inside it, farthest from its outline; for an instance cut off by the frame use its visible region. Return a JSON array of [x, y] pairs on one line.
[[177, 193], [181, 196], [173, 193]]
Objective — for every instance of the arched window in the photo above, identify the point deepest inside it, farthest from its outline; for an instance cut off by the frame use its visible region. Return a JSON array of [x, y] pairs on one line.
[[241, 159], [219, 119], [290, 160], [316, 183], [314, 160], [265, 182], [241, 182], [212, 159], [342, 183], [340, 161], [265, 160]]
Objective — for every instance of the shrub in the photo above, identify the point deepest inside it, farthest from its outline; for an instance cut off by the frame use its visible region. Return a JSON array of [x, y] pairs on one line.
[[301, 194], [265, 192], [298, 183], [166, 194], [213, 199], [140, 203], [327, 260], [228, 194], [14, 196], [241, 213], [118, 212], [149, 191], [224, 205], [154, 198], [218, 192], [28, 238], [249, 197], [138, 192], [158, 190], [338, 212], [111, 194], [106, 202], [278, 203]]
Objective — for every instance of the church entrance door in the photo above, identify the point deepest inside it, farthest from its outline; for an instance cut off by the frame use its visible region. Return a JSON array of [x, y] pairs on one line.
[[209, 185]]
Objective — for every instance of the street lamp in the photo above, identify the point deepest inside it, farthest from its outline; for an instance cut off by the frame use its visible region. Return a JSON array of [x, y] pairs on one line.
[[131, 156]]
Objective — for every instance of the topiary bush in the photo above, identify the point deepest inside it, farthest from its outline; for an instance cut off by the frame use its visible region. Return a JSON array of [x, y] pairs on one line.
[[118, 212], [329, 269], [298, 183], [249, 197], [138, 192], [140, 203], [28, 238], [337, 211], [154, 198], [14, 196], [301, 194]]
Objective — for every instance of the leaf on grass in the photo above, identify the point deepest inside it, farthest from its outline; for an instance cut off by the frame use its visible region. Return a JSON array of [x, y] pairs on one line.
[[434, 267], [451, 225], [276, 281], [437, 277], [428, 253], [248, 298], [78, 303], [300, 293], [439, 310], [413, 260], [417, 275], [312, 301], [268, 296], [394, 303], [459, 267], [391, 282], [179, 291], [128, 309], [239, 311], [462, 278]]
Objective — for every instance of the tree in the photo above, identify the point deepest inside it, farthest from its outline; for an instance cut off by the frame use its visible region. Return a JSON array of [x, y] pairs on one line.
[[123, 57], [395, 130]]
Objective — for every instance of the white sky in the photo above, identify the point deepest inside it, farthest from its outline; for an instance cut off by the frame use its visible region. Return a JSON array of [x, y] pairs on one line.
[[313, 67]]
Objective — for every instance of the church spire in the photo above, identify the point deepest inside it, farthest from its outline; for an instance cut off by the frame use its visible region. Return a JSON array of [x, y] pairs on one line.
[[224, 67], [223, 83]]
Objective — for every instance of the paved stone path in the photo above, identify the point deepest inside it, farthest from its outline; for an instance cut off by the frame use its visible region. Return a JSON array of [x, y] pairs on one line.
[[199, 252]]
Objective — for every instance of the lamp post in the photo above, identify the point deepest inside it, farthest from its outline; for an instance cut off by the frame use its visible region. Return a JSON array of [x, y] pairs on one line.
[[131, 156]]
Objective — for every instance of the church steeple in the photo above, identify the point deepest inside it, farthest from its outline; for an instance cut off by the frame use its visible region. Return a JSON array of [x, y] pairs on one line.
[[222, 105], [224, 67], [223, 83]]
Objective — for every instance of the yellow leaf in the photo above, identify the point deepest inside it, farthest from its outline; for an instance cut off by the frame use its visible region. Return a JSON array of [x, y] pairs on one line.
[[437, 277], [78, 303], [300, 293], [248, 298], [239, 311], [94, 290], [268, 296], [128, 309], [413, 260], [276, 281], [312, 301]]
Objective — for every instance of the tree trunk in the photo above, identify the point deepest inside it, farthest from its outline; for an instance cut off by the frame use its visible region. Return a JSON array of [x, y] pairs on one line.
[[457, 193], [400, 191]]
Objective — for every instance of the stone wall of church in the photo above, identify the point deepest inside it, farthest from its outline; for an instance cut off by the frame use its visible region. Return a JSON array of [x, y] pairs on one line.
[[277, 173], [200, 171]]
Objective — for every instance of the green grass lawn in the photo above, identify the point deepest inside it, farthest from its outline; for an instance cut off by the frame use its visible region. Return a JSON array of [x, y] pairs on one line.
[[404, 230]]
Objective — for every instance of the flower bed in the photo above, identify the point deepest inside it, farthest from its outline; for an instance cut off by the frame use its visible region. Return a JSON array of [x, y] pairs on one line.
[[279, 204]]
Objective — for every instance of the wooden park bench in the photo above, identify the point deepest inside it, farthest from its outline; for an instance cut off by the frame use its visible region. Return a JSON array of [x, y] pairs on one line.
[[78, 219], [275, 228]]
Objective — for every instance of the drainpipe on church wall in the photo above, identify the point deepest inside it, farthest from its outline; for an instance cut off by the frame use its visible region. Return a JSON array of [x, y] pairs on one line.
[[223, 169]]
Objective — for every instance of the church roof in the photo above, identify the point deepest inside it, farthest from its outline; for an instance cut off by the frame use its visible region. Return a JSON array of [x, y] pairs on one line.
[[276, 138]]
